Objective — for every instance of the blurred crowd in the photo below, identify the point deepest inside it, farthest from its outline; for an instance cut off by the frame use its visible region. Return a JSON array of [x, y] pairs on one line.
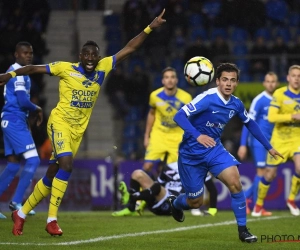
[[258, 35]]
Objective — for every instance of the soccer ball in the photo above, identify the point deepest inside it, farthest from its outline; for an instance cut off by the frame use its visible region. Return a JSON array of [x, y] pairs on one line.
[[199, 71]]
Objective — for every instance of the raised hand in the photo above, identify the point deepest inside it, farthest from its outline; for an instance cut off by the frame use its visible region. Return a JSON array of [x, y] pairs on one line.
[[158, 21]]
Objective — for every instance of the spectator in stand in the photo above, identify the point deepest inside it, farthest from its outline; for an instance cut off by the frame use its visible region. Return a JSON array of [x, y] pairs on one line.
[[197, 48], [260, 62], [219, 47]]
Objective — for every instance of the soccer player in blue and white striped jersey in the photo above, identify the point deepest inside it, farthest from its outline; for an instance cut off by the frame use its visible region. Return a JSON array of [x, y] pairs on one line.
[[18, 141], [259, 112], [201, 151]]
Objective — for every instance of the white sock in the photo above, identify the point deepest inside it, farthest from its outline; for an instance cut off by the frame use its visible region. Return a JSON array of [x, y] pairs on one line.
[[51, 219], [21, 214]]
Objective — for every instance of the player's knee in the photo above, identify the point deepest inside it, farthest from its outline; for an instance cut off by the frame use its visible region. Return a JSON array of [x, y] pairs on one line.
[[235, 186], [137, 174], [148, 166], [156, 187], [13, 167], [32, 164], [195, 203]]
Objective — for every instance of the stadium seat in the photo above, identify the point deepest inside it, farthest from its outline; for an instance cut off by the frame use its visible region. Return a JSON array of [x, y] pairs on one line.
[[113, 47], [264, 32], [113, 34], [129, 147], [133, 115], [131, 130], [198, 32], [239, 35], [157, 81], [195, 20], [240, 49], [294, 19], [218, 32], [135, 61], [112, 20], [284, 33], [177, 64]]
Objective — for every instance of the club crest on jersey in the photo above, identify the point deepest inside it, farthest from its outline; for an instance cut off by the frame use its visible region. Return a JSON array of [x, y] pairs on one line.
[[60, 144], [87, 83], [297, 108], [169, 109], [231, 113]]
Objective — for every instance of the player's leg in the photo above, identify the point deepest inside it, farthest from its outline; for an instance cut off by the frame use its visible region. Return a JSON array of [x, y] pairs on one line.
[[295, 186], [231, 178], [32, 161], [213, 195], [192, 179]]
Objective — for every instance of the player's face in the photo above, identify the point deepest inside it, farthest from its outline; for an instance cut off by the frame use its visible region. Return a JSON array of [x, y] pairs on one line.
[[227, 83], [89, 57], [293, 79], [170, 80], [270, 83], [24, 55]]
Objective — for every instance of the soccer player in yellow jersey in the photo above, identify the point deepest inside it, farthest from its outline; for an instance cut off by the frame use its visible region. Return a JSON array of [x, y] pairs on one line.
[[79, 87], [284, 111], [162, 134]]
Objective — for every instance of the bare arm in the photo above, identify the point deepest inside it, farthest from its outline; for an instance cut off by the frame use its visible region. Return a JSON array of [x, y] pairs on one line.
[[26, 70], [137, 41], [149, 125]]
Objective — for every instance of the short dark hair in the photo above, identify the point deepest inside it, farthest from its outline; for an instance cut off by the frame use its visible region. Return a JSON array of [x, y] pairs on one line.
[[168, 69], [91, 43], [227, 67], [23, 43]]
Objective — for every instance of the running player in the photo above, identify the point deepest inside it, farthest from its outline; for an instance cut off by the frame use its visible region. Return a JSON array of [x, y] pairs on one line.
[[18, 141], [259, 113], [284, 111], [162, 134], [79, 87], [201, 150]]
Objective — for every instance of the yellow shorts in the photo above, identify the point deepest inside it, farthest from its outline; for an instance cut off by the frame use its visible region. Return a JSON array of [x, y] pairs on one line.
[[162, 143], [65, 141], [287, 148]]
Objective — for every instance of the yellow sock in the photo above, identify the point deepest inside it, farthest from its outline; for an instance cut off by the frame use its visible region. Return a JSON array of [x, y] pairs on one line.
[[262, 193], [294, 187], [40, 191], [57, 193]]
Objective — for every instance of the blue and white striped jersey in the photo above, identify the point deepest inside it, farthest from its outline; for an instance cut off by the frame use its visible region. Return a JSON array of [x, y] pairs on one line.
[[18, 83], [259, 112], [209, 112]]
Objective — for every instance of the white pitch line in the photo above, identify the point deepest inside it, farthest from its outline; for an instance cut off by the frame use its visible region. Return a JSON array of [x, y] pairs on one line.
[[112, 237]]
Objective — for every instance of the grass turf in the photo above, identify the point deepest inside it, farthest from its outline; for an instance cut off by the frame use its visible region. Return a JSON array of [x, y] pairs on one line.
[[99, 230]]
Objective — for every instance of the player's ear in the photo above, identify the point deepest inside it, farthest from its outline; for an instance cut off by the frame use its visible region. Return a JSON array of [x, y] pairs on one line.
[[16, 54]]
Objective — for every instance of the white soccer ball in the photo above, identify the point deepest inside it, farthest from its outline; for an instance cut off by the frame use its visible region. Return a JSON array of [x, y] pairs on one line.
[[199, 71]]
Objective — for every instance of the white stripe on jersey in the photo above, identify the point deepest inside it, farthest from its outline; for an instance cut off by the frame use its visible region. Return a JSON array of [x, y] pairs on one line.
[[252, 110]]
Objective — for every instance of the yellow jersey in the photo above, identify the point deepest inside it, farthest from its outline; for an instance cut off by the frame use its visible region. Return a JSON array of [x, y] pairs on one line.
[[165, 109], [285, 103], [78, 91]]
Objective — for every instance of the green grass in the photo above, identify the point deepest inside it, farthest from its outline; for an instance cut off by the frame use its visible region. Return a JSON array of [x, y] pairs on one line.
[[99, 230]]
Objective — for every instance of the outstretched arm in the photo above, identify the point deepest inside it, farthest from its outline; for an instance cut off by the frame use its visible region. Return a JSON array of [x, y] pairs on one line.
[[149, 125], [136, 42], [26, 70]]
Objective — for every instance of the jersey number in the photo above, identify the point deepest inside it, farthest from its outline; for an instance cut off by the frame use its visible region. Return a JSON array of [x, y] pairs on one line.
[[4, 123]]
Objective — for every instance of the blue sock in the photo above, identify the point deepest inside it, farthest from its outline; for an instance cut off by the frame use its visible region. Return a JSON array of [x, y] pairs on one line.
[[249, 192], [26, 178], [255, 188], [63, 175], [8, 175], [238, 204], [180, 202]]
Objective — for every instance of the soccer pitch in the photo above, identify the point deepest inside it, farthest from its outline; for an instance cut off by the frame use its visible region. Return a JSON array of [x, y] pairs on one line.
[[99, 230]]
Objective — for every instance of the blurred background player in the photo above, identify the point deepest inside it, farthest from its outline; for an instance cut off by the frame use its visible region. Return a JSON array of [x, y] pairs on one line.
[[259, 113], [79, 90], [142, 187], [18, 141], [162, 134], [284, 112], [213, 196]]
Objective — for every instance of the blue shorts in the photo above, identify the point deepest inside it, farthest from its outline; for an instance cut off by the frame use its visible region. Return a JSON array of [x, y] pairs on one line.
[[193, 169], [16, 135], [259, 154]]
